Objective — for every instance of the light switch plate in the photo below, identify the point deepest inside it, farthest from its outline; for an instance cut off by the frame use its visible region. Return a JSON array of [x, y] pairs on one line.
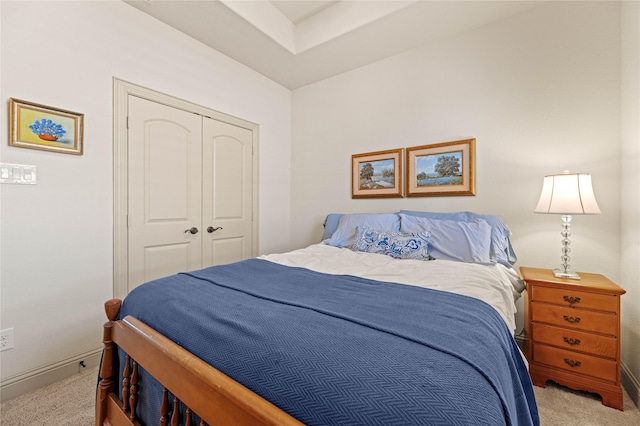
[[17, 173]]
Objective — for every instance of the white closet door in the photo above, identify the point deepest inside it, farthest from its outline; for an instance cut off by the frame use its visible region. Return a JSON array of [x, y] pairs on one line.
[[164, 191], [227, 193]]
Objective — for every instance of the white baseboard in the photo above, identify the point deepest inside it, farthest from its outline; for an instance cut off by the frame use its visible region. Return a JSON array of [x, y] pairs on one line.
[[630, 383], [15, 386]]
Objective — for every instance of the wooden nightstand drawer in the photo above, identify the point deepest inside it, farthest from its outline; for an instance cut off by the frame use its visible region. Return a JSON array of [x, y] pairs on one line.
[[576, 362], [572, 330], [575, 318], [576, 340], [575, 299]]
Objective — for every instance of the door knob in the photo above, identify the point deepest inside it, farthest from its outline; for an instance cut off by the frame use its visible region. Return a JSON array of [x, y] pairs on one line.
[[193, 230], [211, 229]]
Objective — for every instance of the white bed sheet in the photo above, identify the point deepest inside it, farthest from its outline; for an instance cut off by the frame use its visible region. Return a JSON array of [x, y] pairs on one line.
[[493, 284]]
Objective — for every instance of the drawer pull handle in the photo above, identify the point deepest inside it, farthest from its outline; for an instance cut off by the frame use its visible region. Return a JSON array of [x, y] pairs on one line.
[[571, 300], [571, 341], [572, 320], [572, 363]]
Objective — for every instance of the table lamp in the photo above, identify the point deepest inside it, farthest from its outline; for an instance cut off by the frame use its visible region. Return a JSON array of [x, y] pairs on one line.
[[567, 194]]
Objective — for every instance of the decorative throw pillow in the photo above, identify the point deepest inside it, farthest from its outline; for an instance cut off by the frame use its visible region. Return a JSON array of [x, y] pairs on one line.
[[346, 230], [400, 245]]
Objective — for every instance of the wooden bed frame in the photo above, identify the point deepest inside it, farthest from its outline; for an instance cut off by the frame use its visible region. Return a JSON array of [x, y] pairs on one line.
[[203, 390]]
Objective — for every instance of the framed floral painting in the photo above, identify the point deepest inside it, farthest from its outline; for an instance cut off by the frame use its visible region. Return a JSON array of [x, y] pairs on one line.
[[377, 174], [46, 128], [441, 169]]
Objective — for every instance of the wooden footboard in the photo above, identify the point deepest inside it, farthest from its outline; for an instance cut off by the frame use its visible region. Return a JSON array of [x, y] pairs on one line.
[[205, 391]]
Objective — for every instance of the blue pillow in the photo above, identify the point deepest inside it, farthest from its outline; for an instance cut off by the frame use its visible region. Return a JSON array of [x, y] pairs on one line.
[[451, 239], [331, 224], [345, 233], [501, 249], [399, 245]]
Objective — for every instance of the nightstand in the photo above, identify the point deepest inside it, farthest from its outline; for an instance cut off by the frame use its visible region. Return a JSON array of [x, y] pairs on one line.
[[572, 332]]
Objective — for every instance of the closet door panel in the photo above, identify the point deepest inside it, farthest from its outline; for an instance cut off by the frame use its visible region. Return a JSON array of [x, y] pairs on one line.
[[228, 178], [164, 191], [227, 250], [166, 259], [227, 195]]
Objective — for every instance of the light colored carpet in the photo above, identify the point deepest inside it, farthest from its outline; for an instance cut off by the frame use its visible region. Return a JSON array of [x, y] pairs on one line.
[[71, 403], [561, 406]]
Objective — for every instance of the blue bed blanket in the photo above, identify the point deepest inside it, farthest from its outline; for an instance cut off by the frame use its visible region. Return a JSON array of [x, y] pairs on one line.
[[342, 350]]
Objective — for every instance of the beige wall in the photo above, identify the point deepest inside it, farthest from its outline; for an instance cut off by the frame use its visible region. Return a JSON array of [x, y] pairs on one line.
[[540, 92], [630, 200], [57, 236]]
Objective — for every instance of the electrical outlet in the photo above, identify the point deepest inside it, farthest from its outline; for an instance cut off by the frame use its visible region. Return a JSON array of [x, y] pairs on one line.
[[6, 339]]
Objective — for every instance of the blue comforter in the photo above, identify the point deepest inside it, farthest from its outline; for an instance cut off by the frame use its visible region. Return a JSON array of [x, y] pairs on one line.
[[341, 350]]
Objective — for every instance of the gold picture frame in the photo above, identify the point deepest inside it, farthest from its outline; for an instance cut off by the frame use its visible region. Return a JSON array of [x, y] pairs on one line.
[[441, 169], [45, 128], [377, 174]]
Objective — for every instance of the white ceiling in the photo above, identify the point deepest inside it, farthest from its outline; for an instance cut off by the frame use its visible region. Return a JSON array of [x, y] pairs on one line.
[[298, 42], [299, 10]]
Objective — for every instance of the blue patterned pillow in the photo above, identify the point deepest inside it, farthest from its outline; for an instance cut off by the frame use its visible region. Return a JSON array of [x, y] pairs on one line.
[[400, 245]]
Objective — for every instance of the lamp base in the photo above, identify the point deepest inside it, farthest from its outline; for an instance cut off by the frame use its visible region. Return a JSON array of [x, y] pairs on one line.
[[561, 273]]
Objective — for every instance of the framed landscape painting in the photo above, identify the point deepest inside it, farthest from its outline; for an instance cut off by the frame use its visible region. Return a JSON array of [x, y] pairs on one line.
[[46, 128], [377, 174], [441, 169]]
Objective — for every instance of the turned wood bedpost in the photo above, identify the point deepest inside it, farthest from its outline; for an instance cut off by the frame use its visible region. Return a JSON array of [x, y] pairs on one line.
[[109, 364]]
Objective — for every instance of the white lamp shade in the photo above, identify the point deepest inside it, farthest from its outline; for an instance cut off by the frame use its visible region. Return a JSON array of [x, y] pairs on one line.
[[568, 193]]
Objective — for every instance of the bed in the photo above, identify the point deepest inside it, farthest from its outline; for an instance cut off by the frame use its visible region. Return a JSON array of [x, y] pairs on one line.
[[403, 318]]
